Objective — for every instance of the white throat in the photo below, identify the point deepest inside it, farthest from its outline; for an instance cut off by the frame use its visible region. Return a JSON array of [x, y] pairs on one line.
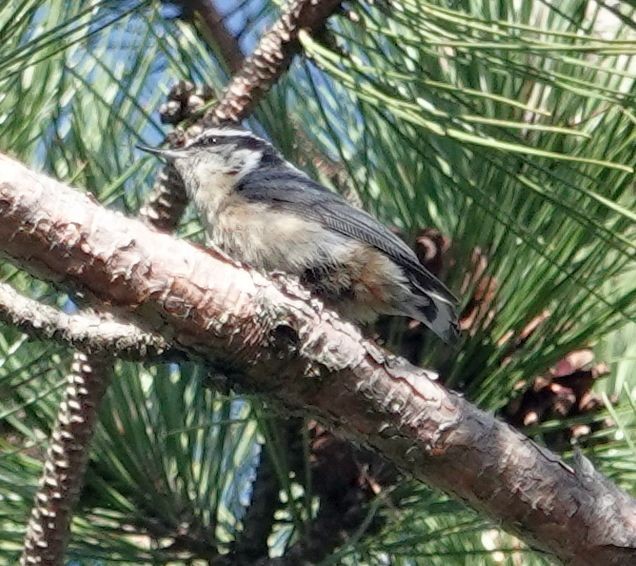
[[210, 179]]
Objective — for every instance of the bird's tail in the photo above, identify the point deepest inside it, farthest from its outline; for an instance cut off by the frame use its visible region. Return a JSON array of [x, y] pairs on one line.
[[439, 314], [434, 305]]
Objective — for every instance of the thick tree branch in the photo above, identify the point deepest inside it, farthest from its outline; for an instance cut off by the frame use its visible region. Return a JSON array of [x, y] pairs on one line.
[[86, 331], [271, 337]]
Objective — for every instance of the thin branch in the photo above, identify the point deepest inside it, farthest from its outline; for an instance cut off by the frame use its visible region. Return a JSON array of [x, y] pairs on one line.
[[65, 464], [270, 59], [66, 460], [214, 30], [86, 331], [273, 338]]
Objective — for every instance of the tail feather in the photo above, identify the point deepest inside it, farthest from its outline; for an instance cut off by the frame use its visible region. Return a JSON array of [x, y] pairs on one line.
[[438, 314], [434, 305]]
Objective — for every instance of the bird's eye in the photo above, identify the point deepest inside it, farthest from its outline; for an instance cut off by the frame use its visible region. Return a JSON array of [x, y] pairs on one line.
[[204, 142]]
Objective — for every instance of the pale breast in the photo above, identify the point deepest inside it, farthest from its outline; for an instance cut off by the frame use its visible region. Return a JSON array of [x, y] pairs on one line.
[[270, 239]]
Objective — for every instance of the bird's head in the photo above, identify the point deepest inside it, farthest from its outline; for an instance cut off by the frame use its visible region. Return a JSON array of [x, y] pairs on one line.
[[220, 153]]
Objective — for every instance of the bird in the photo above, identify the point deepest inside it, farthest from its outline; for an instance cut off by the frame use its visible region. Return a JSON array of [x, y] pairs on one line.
[[264, 212]]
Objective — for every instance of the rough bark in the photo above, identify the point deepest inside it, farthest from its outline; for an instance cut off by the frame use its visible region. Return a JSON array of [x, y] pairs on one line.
[[65, 464], [86, 331], [270, 336], [167, 201]]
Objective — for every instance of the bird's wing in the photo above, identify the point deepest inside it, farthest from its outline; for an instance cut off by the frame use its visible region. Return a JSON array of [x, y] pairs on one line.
[[292, 190]]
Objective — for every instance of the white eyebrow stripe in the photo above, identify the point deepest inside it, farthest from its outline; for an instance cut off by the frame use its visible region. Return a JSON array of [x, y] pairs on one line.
[[224, 132]]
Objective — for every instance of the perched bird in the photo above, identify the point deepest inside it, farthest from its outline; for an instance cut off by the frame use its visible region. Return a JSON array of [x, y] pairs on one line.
[[263, 211]]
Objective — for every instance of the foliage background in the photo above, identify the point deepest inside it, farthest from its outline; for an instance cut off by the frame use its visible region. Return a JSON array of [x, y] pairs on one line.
[[509, 126]]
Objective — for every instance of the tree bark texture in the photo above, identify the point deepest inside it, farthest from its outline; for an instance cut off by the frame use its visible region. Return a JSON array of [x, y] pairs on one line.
[[91, 333], [66, 461], [272, 337]]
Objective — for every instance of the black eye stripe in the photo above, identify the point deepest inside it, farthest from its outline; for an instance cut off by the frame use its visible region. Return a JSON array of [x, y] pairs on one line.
[[231, 142], [207, 141], [238, 141], [215, 140]]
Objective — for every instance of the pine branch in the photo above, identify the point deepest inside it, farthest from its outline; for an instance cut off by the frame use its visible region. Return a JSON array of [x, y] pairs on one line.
[[214, 31], [66, 461], [270, 59], [87, 331], [272, 338]]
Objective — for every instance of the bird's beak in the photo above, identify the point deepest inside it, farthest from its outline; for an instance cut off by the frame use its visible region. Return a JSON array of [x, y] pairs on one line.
[[168, 154]]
